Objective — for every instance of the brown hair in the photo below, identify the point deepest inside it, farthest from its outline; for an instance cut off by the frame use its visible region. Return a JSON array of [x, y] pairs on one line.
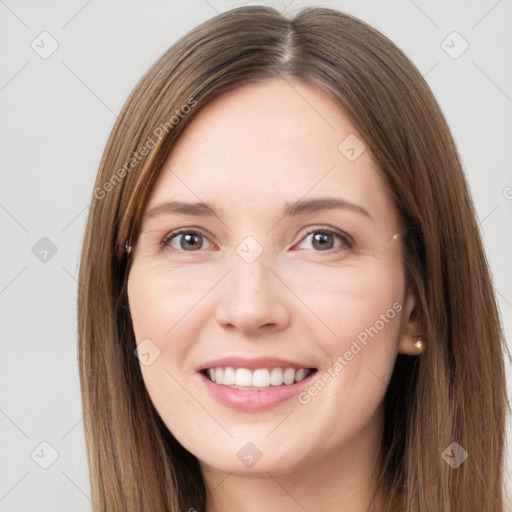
[[455, 391]]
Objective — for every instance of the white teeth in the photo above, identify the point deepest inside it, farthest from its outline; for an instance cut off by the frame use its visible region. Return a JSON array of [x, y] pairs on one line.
[[276, 377], [261, 378], [289, 376], [301, 374], [243, 377], [229, 377]]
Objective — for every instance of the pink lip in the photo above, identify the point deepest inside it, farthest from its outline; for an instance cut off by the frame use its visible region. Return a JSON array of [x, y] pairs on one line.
[[251, 364], [254, 401]]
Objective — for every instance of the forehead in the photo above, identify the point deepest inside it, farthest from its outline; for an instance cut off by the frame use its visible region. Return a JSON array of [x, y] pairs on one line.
[[278, 140], [274, 122]]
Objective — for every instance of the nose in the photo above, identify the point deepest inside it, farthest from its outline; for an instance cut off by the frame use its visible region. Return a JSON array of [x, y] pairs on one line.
[[253, 299]]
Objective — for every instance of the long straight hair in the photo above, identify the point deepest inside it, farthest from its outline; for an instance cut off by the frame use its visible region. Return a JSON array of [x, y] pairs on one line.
[[454, 392]]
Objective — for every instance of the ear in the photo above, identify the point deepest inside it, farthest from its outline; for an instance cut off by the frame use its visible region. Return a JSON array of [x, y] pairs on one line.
[[412, 327]]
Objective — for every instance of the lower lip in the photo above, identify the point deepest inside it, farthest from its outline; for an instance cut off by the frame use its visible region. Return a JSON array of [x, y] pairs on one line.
[[253, 401]]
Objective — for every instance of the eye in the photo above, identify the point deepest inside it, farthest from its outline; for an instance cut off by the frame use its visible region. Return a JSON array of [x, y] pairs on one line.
[[324, 240], [188, 241]]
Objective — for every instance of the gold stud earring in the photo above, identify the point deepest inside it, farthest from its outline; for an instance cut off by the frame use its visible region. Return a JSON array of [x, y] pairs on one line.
[[419, 344], [127, 247]]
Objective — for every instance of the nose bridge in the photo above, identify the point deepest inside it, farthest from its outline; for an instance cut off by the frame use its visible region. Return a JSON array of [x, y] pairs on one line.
[[250, 276], [250, 279], [253, 295]]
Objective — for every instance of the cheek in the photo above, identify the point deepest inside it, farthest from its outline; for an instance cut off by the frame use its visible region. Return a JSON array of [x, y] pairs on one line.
[[158, 304], [141, 302], [352, 303], [359, 351], [358, 335], [156, 312], [170, 314]]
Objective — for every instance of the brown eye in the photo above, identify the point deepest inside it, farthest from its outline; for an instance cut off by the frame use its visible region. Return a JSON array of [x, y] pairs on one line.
[[186, 241], [323, 240]]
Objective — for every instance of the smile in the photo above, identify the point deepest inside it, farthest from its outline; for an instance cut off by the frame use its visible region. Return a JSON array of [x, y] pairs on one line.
[[259, 379]]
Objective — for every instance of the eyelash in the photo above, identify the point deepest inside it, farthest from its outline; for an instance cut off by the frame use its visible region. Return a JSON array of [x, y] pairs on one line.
[[347, 242]]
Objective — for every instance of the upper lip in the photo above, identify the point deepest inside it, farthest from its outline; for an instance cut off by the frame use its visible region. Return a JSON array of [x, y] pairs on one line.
[[251, 364]]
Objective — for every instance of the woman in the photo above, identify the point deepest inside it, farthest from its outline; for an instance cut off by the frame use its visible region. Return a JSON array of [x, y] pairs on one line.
[[284, 299]]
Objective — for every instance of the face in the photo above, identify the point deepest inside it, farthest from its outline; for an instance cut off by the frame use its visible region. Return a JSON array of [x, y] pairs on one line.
[[285, 285]]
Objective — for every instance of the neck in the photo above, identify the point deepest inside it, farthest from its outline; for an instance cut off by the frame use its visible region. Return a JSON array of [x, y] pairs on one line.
[[341, 481]]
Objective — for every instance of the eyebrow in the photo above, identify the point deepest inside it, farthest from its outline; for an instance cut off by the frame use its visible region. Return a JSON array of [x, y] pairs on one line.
[[297, 208]]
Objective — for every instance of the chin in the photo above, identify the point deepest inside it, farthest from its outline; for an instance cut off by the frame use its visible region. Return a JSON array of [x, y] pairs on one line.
[[273, 465]]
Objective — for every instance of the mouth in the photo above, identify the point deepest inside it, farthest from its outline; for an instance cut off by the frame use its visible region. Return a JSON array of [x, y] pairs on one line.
[[254, 384], [259, 379]]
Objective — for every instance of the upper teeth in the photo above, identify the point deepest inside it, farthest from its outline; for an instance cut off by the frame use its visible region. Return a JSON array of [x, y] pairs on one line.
[[261, 378]]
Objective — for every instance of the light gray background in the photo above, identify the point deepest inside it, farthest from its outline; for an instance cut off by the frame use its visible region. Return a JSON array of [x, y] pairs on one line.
[[56, 115]]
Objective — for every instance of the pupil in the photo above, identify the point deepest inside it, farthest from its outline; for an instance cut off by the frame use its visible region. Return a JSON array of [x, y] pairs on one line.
[[191, 239], [322, 240]]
